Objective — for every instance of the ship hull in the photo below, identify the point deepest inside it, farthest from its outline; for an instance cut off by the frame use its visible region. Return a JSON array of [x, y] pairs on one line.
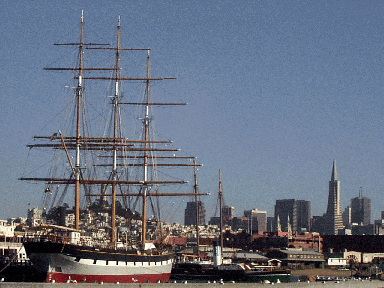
[[195, 271], [19, 271], [73, 263]]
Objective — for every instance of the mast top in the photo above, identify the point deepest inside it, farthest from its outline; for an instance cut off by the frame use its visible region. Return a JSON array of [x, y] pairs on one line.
[[82, 16], [118, 22]]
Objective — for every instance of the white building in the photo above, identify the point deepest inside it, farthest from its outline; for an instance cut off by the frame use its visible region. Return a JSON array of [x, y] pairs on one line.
[[11, 247], [6, 230]]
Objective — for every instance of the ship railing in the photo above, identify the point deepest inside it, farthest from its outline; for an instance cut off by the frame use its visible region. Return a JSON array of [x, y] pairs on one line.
[[18, 262], [32, 238], [45, 238], [59, 239], [263, 267], [9, 245]]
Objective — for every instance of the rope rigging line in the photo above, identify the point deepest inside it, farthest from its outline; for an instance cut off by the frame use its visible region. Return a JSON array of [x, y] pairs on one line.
[[10, 262]]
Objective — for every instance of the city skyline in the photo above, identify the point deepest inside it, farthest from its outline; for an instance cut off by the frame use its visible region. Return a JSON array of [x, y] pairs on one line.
[[334, 185], [298, 212], [295, 214]]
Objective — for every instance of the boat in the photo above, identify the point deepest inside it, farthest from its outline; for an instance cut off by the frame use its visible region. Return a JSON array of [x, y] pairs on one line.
[[213, 269], [207, 271], [70, 245], [232, 270], [14, 266], [19, 271], [238, 272]]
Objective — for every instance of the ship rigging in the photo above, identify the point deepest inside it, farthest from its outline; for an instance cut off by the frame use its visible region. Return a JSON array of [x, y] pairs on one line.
[[120, 155]]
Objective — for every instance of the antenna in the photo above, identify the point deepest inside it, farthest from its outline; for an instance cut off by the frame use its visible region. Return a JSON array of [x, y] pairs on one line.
[[82, 16]]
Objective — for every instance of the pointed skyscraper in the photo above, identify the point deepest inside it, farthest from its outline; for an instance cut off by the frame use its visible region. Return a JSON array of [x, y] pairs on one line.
[[289, 228], [278, 224], [333, 217]]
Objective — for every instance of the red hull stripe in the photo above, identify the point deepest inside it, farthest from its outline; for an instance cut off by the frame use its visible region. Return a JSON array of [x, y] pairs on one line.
[[75, 278]]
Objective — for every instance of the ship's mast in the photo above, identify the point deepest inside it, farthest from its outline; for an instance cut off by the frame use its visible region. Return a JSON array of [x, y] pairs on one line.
[[78, 139], [115, 123], [146, 121], [196, 187], [221, 211], [79, 91], [114, 144]]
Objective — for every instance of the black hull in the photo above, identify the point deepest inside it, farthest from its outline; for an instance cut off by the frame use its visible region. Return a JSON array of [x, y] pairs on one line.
[[201, 272], [20, 272], [192, 271]]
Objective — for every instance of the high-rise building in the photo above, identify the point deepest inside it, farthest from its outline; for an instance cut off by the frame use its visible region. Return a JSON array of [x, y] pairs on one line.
[[361, 210], [303, 215], [35, 217], [347, 219], [271, 224], [258, 219], [228, 212], [293, 214], [190, 213], [286, 210], [333, 221]]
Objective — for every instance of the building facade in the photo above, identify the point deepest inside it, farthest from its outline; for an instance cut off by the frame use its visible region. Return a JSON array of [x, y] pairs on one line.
[[292, 215], [228, 212], [303, 215], [298, 258], [190, 213], [361, 210], [347, 219], [35, 217], [258, 220], [286, 215], [333, 220]]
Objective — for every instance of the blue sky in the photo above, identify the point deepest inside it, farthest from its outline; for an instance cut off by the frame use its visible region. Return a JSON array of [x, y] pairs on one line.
[[276, 89]]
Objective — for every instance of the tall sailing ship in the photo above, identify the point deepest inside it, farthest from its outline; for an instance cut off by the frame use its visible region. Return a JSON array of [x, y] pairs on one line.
[[74, 253]]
